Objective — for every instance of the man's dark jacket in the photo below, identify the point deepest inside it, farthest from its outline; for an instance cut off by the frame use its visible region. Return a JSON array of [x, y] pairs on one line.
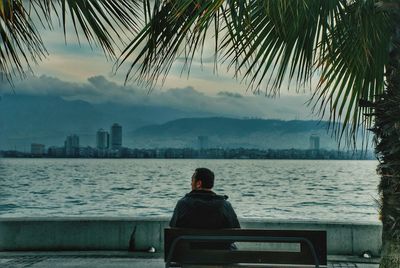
[[204, 210]]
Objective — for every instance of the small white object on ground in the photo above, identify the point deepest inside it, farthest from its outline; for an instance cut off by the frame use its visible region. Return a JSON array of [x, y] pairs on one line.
[[366, 255]]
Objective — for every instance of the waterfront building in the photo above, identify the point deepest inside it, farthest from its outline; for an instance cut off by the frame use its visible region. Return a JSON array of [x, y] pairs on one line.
[[116, 136], [54, 151], [87, 152], [314, 142], [202, 142], [71, 146], [102, 139], [37, 149]]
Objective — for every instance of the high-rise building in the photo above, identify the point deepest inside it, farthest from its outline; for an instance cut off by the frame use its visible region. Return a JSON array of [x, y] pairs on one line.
[[314, 142], [71, 145], [203, 142], [116, 136], [37, 149], [102, 139]]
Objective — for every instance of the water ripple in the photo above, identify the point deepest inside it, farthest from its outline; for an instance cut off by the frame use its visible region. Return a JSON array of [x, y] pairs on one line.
[[122, 188]]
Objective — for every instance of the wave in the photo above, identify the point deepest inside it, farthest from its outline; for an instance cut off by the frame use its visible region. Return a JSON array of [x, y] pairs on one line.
[[122, 189], [8, 207], [313, 203]]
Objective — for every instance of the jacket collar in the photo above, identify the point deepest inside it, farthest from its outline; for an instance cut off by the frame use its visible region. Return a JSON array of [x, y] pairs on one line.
[[206, 194], [202, 192]]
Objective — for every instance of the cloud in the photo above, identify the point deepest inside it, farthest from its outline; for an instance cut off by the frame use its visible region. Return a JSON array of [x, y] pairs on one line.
[[76, 61], [98, 89], [229, 94]]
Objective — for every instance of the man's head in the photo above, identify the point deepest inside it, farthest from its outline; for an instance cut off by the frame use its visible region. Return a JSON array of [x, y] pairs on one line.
[[202, 179]]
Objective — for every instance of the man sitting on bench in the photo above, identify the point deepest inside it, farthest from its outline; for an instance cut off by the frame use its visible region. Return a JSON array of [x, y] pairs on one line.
[[204, 209]]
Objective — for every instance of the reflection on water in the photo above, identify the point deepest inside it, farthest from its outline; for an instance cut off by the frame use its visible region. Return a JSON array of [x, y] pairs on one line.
[[273, 189]]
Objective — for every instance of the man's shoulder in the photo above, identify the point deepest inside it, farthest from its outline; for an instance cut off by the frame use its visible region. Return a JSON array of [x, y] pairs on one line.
[[182, 200], [185, 199]]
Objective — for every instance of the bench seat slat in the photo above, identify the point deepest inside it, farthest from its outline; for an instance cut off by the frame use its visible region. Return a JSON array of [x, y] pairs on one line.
[[223, 257]]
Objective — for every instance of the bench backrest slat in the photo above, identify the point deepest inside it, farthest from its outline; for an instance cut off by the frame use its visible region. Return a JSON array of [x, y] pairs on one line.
[[184, 252]]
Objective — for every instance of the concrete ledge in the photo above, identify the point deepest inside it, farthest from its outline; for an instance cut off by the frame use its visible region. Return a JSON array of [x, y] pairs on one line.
[[86, 254], [113, 234], [342, 238]]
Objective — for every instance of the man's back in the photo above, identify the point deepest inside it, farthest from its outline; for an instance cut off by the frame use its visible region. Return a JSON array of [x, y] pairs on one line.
[[205, 210]]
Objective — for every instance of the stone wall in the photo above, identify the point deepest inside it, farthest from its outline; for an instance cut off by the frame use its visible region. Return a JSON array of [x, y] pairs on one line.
[[101, 233]]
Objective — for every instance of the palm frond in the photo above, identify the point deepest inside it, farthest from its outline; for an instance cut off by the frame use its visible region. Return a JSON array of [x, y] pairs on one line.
[[353, 65], [20, 42], [342, 44], [101, 22], [175, 29]]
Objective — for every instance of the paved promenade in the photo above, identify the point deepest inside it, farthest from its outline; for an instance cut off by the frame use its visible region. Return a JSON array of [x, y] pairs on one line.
[[123, 259]]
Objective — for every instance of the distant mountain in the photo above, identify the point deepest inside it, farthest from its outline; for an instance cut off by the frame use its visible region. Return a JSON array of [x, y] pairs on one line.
[[230, 132], [26, 119]]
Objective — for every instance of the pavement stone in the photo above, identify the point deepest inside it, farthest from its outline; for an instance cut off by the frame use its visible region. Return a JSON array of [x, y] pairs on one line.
[[108, 261], [79, 262], [352, 265]]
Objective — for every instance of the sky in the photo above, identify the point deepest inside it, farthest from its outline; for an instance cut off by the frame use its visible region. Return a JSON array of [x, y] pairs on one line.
[[79, 72]]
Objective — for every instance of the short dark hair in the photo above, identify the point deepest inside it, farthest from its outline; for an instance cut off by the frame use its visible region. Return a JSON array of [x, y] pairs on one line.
[[206, 177]]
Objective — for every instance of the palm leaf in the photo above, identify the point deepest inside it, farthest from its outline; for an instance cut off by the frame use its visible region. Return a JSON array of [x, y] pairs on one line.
[[175, 29], [100, 22], [273, 44], [354, 64]]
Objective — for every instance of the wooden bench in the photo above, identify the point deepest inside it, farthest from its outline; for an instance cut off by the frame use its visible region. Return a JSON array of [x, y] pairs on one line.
[[180, 247]]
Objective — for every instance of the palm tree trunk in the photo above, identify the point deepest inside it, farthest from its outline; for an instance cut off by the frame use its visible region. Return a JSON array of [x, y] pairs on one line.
[[388, 149], [387, 134]]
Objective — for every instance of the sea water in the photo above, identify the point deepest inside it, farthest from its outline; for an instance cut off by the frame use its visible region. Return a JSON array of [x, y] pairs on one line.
[[328, 190]]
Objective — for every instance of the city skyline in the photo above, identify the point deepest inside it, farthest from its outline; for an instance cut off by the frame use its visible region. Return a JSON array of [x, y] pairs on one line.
[[112, 140], [218, 132], [107, 143], [192, 153]]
